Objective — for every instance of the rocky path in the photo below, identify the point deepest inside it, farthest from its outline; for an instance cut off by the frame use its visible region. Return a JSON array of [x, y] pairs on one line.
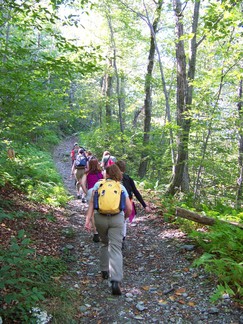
[[159, 285]]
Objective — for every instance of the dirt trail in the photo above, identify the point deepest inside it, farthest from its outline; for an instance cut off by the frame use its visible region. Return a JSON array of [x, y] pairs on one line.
[[159, 285]]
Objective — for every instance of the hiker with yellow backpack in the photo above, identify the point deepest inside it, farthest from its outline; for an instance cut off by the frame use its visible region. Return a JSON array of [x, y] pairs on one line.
[[110, 205]]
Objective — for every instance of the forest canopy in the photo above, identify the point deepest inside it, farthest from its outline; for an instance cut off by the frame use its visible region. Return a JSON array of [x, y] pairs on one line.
[[158, 83]]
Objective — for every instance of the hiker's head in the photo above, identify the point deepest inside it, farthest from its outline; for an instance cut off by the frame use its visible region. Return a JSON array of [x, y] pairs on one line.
[[81, 151], [121, 165], [113, 172], [106, 153], [94, 166], [75, 145]]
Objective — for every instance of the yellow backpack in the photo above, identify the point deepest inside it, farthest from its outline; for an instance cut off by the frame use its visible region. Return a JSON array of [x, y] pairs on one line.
[[109, 198]]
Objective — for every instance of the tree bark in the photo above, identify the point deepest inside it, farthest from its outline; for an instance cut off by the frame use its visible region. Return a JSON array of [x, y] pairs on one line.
[[180, 178], [137, 112], [118, 85], [166, 93], [108, 93], [195, 217], [148, 94], [240, 159]]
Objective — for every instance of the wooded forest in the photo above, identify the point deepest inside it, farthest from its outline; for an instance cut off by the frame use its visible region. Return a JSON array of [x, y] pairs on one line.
[[157, 83]]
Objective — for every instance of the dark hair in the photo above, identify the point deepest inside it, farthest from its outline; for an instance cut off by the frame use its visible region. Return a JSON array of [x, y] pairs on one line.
[[114, 172], [81, 150], [121, 165], [94, 166]]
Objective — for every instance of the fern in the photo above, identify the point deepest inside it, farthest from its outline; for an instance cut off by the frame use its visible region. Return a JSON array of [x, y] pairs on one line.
[[223, 246]]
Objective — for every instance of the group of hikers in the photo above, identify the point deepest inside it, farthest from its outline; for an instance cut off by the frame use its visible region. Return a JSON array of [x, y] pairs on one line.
[[109, 191]]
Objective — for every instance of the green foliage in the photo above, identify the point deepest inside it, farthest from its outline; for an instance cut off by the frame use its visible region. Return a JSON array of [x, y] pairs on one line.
[[169, 205], [25, 280], [33, 172], [4, 215], [223, 246], [38, 66], [128, 146], [220, 17]]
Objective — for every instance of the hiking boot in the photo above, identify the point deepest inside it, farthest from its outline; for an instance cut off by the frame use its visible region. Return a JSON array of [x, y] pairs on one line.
[[78, 197], [115, 286], [105, 274], [84, 201], [96, 238]]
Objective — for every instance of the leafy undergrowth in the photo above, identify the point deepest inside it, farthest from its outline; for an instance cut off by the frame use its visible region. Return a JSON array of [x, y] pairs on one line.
[[33, 172], [223, 246], [31, 259]]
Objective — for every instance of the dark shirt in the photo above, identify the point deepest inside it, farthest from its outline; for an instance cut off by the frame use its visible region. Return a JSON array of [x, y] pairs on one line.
[[129, 184]]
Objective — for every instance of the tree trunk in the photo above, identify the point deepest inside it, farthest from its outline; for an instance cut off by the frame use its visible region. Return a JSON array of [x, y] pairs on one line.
[[118, 86], [137, 112], [205, 144], [108, 94], [188, 214], [166, 93], [180, 179], [148, 94], [240, 159]]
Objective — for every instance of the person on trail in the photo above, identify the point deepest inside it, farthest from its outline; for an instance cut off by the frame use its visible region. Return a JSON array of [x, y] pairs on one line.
[[78, 171], [74, 152], [131, 188], [89, 156], [107, 160], [110, 228], [89, 179]]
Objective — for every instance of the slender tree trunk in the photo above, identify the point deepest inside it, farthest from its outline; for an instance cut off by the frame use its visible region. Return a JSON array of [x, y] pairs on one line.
[[166, 93], [180, 179], [118, 86], [72, 94], [137, 112], [122, 97], [107, 90], [240, 159], [205, 144], [5, 32], [148, 94]]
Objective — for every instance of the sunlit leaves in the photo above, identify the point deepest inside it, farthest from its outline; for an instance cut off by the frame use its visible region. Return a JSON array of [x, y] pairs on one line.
[[221, 17]]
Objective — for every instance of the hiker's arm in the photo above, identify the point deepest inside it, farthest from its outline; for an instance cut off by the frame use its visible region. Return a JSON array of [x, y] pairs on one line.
[[128, 209], [137, 193], [89, 214], [83, 183]]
